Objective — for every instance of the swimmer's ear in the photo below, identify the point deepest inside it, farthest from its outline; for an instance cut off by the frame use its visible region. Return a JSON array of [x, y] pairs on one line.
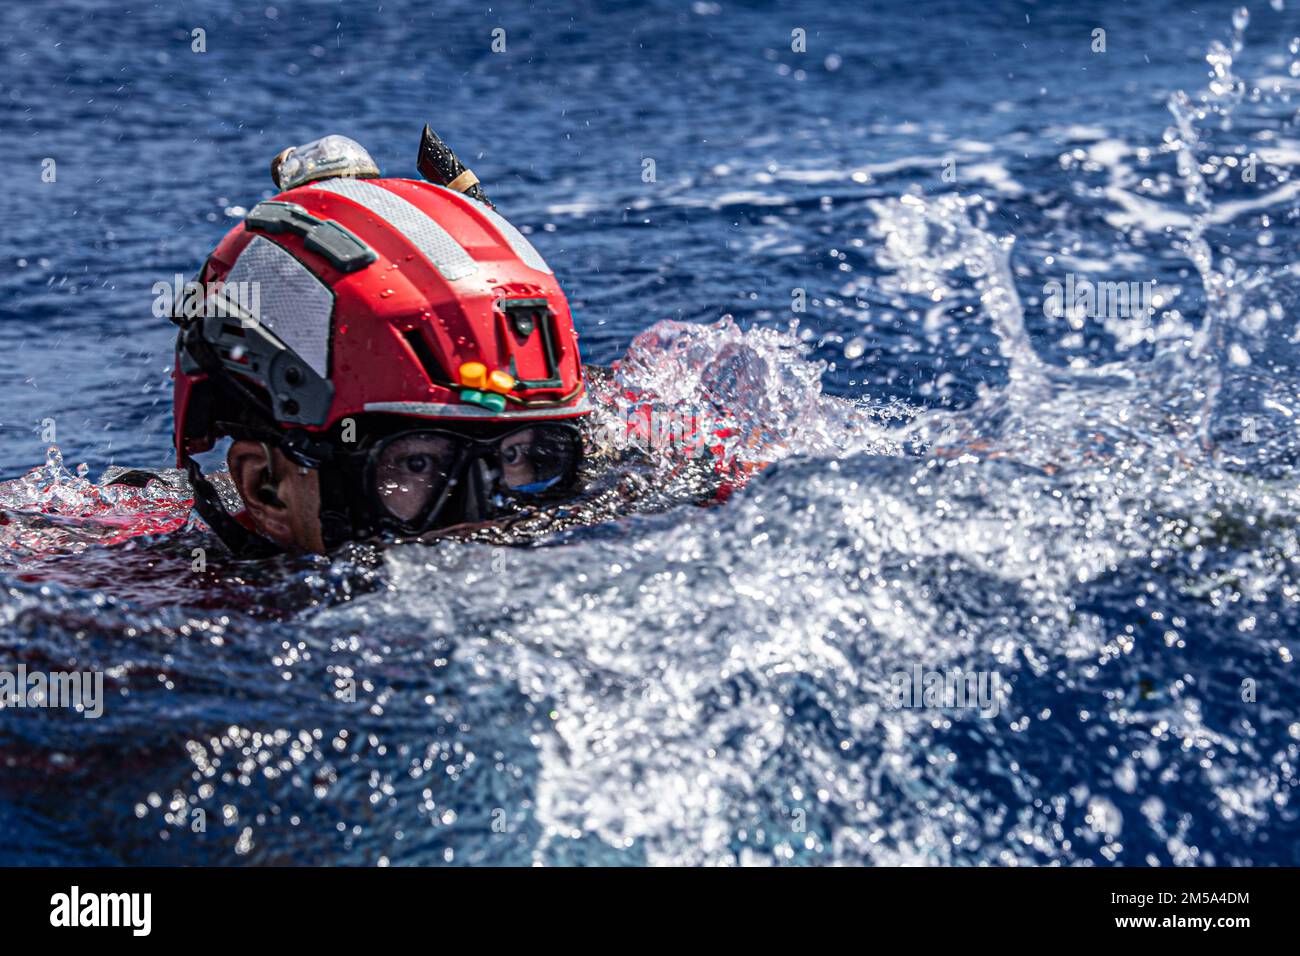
[[252, 470]]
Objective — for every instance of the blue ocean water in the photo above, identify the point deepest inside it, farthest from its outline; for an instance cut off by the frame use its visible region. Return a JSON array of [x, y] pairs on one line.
[[1096, 509]]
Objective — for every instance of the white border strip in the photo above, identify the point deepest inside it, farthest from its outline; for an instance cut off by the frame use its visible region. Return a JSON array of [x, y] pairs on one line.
[[440, 410]]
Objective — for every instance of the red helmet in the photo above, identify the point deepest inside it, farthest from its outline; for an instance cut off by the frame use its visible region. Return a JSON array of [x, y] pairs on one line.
[[385, 295], [353, 297]]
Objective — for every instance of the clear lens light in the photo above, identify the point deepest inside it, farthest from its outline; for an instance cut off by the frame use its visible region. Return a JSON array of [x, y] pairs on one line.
[[325, 158]]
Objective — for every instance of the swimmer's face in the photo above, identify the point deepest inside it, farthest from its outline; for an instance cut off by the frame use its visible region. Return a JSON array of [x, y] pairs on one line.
[[410, 478]]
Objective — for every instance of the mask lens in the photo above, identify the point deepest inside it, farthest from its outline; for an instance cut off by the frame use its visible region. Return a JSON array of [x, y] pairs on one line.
[[417, 473], [411, 473], [538, 459]]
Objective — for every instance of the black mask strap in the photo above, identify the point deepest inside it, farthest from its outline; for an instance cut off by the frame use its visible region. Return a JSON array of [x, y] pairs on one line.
[[342, 517]]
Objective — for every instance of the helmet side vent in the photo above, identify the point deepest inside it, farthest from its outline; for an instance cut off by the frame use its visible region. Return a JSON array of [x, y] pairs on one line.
[[428, 360]]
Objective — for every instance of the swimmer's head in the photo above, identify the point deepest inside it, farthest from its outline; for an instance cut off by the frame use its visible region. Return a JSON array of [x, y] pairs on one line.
[[384, 354]]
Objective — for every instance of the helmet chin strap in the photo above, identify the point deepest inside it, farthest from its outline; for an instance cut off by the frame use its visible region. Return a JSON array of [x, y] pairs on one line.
[[337, 522], [243, 544]]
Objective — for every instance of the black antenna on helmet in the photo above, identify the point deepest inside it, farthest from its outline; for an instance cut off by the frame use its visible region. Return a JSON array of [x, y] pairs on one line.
[[439, 164]]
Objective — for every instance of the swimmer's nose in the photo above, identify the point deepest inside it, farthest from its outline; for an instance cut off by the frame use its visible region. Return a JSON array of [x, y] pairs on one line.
[[480, 483]]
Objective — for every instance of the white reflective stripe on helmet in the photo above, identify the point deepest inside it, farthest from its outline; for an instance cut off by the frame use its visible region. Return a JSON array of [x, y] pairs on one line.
[[516, 239], [290, 300], [436, 244]]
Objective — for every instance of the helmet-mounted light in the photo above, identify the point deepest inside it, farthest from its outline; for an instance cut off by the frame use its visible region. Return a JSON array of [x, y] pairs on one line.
[[326, 158]]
